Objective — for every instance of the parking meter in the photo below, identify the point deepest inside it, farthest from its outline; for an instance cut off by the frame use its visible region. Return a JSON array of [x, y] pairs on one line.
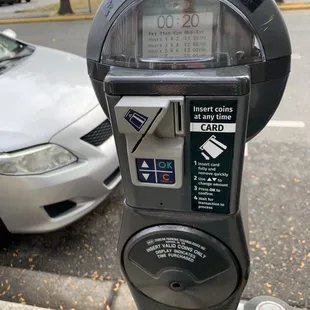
[[185, 84]]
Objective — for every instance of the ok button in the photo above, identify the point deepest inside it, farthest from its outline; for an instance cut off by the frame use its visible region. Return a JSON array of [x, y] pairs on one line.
[[164, 165]]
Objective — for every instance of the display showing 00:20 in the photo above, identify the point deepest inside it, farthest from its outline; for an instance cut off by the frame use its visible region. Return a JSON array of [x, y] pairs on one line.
[[189, 20]]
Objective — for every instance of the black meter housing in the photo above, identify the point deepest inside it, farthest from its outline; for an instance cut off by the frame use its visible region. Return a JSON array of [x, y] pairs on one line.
[[185, 84]]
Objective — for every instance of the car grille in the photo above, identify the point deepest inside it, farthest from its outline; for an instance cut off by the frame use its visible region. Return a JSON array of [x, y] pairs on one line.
[[100, 134], [57, 209]]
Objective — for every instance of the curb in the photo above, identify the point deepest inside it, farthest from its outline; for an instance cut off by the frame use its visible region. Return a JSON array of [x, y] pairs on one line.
[[54, 291], [282, 7], [294, 7], [46, 19], [15, 306]]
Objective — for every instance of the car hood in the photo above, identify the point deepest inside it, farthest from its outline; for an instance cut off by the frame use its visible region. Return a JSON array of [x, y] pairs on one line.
[[40, 96]]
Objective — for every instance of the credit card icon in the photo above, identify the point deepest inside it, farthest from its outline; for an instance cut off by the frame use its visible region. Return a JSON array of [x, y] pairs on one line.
[[135, 119], [212, 147]]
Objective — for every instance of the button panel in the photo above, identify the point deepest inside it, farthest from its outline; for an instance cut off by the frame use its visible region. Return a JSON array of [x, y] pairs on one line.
[[155, 171]]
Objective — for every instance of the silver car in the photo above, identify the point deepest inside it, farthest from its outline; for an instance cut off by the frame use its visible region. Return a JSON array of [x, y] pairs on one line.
[[57, 154]]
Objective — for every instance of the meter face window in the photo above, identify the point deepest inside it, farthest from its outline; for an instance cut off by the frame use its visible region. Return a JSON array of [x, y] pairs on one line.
[[180, 34]]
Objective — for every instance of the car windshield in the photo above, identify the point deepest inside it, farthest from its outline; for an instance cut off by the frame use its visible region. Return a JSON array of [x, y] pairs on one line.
[[9, 48]]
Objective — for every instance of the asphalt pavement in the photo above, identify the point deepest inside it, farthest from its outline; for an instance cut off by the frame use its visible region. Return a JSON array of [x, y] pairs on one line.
[[276, 177]]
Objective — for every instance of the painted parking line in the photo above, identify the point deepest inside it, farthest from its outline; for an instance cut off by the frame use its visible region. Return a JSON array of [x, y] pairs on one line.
[[279, 124], [286, 124], [296, 56], [246, 150]]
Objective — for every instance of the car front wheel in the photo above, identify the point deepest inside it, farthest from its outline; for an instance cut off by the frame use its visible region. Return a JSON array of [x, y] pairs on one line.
[[28, 0], [5, 236]]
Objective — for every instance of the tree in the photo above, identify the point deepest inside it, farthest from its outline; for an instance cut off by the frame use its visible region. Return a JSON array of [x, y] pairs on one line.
[[65, 7]]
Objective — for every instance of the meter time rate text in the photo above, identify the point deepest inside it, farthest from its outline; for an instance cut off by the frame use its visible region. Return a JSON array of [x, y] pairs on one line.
[[177, 35]]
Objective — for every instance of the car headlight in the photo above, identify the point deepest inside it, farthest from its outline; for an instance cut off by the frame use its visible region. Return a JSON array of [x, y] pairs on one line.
[[35, 160]]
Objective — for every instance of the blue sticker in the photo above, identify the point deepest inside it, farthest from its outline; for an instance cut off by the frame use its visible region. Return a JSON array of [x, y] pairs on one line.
[[155, 171], [135, 119]]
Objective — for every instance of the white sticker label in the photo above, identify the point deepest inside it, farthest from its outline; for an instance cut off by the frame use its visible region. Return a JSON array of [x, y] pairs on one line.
[[109, 7], [212, 127], [176, 248]]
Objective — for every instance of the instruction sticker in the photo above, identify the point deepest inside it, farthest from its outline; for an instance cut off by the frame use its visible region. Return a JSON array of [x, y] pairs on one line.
[[212, 136]]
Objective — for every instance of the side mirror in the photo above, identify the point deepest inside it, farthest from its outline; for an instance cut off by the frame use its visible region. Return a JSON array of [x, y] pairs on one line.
[[10, 33]]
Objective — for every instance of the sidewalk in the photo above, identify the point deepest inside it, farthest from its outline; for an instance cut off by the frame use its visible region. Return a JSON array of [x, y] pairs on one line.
[[54, 291], [122, 300], [63, 292]]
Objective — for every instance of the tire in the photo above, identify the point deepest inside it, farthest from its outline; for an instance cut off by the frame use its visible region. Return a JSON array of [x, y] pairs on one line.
[[5, 236], [28, 0], [10, 3]]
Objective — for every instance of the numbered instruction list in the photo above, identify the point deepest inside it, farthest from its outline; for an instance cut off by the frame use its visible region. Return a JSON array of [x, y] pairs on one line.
[[212, 136]]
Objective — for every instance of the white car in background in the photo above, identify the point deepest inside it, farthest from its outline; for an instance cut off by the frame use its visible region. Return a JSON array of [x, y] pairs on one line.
[[58, 159]]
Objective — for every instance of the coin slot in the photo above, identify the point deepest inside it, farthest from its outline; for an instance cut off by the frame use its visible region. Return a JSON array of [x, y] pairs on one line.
[[179, 118]]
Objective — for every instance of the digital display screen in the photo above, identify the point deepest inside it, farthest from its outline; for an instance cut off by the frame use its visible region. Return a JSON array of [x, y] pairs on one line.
[[185, 35]]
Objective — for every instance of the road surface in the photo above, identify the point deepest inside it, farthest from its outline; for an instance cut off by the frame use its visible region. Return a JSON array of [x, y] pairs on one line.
[[277, 179]]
